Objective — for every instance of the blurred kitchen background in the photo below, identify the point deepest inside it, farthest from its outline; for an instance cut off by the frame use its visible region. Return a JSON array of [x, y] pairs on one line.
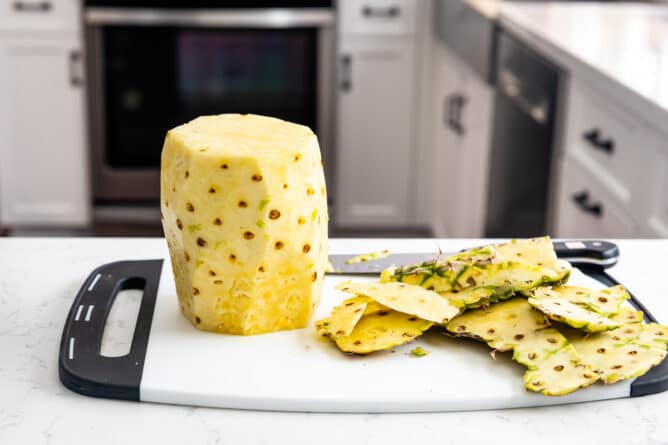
[[448, 118]]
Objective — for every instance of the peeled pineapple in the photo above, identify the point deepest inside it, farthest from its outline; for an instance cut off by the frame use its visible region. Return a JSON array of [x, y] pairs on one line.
[[244, 210]]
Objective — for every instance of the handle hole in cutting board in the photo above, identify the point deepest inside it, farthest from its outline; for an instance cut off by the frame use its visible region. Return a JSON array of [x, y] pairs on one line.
[[119, 327]]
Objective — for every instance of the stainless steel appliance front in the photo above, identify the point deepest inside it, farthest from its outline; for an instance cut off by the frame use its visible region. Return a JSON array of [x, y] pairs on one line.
[[152, 69]]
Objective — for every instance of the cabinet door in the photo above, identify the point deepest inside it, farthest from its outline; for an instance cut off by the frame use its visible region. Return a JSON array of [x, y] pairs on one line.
[[43, 163], [40, 16], [463, 137], [448, 82], [473, 169], [374, 134]]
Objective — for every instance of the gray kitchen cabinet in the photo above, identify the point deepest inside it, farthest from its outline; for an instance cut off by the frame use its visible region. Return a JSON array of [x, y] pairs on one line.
[[463, 107], [43, 162], [376, 109]]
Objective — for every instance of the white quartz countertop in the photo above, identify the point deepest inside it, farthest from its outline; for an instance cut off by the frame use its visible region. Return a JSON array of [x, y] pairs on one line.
[[40, 277], [488, 8], [619, 48]]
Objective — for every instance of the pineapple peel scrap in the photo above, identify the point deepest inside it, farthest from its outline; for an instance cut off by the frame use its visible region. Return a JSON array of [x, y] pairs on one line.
[[559, 358], [382, 331], [624, 353], [554, 368], [368, 257], [556, 308], [502, 325], [484, 275], [405, 298], [606, 302], [343, 319], [560, 373]]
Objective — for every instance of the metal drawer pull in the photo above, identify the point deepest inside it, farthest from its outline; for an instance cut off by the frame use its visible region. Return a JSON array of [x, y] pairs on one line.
[[76, 70], [388, 13], [581, 199], [593, 136], [346, 72], [32, 7]]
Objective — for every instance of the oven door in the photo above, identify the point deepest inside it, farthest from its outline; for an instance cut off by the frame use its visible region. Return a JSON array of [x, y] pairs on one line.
[[151, 70]]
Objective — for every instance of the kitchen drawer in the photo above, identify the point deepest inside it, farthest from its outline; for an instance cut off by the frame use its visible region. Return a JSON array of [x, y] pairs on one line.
[[584, 210], [377, 17], [610, 144], [39, 15], [656, 216]]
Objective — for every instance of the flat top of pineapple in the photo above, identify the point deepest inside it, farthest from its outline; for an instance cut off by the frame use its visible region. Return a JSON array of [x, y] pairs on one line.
[[243, 131]]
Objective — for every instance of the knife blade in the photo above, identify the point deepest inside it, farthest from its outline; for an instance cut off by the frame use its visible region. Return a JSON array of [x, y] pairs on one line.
[[598, 253]]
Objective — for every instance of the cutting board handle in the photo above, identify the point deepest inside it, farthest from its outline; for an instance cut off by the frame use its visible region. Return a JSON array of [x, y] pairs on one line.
[[81, 367]]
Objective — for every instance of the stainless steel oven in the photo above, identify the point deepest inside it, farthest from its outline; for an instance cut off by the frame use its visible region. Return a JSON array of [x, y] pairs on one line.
[[154, 64]]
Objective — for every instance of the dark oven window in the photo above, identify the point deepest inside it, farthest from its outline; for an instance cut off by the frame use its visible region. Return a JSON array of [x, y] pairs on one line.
[[160, 77]]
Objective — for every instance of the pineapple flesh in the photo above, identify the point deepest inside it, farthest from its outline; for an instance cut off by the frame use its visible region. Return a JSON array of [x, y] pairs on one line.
[[244, 211]]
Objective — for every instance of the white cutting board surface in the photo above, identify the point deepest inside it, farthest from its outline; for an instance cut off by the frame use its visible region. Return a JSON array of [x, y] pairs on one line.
[[298, 371]]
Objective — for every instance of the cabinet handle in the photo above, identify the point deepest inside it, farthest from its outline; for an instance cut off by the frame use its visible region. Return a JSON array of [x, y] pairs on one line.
[[388, 13], [32, 6], [581, 199], [453, 106], [593, 137], [346, 72], [75, 68]]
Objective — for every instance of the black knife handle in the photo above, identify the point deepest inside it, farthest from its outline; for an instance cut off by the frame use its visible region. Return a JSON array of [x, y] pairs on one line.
[[588, 252], [80, 366]]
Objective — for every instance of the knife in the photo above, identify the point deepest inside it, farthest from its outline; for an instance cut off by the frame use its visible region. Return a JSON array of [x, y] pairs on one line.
[[603, 254]]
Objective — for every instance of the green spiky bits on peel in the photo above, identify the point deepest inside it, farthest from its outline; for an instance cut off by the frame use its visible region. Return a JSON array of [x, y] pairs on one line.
[[419, 352], [484, 275]]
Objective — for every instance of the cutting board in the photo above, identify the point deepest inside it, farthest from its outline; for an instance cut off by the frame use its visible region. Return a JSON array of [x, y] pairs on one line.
[[172, 362]]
